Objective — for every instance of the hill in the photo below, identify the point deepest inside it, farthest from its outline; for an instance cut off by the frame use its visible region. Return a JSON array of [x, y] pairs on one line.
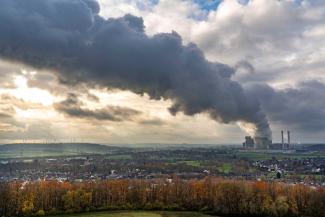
[[27, 150], [314, 147]]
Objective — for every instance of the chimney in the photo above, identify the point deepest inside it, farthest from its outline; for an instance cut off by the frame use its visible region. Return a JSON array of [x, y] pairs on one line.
[[282, 139], [288, 139]]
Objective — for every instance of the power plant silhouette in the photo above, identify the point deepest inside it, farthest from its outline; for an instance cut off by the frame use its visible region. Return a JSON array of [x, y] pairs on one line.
[[264, 143]]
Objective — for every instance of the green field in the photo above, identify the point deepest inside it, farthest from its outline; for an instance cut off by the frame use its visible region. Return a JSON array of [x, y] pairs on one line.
[[32, 150], [225, 168], [138, 214], [191, 163], [34, 154], [119, 157], [265, 156]]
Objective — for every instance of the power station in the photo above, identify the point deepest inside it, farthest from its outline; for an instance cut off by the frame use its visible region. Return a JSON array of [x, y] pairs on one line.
[[264, 143]]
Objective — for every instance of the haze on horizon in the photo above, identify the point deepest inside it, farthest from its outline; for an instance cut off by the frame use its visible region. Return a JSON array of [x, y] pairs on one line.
[[265, 60]]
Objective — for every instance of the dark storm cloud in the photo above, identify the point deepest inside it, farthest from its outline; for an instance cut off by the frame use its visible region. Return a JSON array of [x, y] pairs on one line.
[[73, 107], [301, 107], [70, 38]]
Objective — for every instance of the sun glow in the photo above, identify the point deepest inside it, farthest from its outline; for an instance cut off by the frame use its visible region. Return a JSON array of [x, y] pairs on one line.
[[36, 113], [21, 82], [34, 95]]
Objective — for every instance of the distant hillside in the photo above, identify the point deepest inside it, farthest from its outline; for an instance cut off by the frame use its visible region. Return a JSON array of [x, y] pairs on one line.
[[26, 150], [314, 147]]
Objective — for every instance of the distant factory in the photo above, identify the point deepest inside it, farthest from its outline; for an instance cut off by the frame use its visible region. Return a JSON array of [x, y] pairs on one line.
[[264, 143], [249, 143], [257, 143]]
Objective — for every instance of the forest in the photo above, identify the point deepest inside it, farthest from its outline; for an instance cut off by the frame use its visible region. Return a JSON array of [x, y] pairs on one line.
[[212, 195]]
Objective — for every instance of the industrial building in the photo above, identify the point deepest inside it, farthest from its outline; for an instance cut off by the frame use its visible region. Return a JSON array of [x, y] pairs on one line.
[[257, 143], [249, 142], [264, 143]]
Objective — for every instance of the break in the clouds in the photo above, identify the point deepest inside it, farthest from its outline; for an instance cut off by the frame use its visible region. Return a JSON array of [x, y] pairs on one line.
[[70, 38]]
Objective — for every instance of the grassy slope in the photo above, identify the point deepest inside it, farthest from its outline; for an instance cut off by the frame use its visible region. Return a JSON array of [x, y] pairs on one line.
[[46, 150], [138, 214]]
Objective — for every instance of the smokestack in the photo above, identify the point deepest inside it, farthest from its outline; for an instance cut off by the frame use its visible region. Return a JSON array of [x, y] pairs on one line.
[[282, 139], [288, 138]]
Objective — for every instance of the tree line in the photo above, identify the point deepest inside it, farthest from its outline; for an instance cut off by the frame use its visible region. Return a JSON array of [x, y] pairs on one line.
[[215, 195]]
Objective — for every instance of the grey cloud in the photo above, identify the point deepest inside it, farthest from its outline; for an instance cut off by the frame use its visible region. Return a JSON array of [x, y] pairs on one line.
[[7, 110], [8, 123], [245, 65], [48, 81], [73, 107], [45, 81], [4, 115], [154, 121], [39, 130], [301, 107], [70, 38], [7, 75], [93, 97]]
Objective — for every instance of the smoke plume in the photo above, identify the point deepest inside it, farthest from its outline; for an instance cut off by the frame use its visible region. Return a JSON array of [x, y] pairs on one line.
[[70, 38]]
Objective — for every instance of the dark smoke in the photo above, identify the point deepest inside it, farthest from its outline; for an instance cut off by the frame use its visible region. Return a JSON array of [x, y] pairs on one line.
[[301, 107], [70, 38]]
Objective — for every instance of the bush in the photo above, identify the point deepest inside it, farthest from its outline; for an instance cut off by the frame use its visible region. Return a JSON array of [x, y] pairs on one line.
[[40, 213]]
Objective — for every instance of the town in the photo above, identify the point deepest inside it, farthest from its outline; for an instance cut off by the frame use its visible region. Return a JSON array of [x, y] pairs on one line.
[[293, 167]]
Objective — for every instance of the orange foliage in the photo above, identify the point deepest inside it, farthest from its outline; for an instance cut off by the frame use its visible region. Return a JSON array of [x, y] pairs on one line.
[[213, 194]]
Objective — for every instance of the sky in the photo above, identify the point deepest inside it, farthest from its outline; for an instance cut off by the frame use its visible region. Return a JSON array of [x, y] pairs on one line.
[[161, 71]]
